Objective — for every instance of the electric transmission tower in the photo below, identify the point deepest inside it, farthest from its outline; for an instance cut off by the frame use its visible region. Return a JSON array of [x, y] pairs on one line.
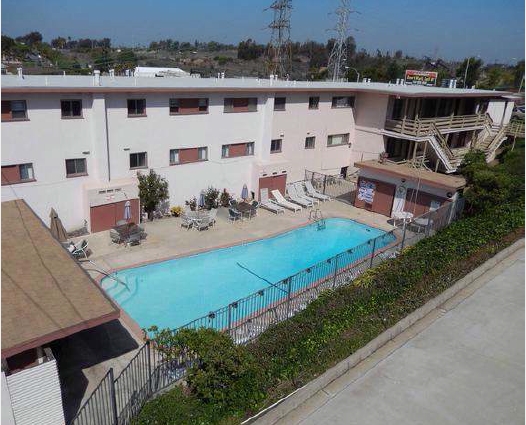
[[338, 56], [278, 54]]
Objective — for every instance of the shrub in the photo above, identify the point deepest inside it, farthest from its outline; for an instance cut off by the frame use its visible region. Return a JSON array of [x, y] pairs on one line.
[[153, 189], [225, 198], [176, 211], [211, 198], [226, 378], [192, 203]]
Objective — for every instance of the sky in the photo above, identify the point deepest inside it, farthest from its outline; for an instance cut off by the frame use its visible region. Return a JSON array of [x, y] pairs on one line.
[[491, 29]]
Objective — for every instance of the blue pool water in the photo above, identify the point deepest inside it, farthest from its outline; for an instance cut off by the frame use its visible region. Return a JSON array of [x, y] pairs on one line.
[[172, 293]]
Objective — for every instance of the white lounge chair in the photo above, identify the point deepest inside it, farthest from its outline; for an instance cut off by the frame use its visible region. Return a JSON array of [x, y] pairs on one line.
[[294, 197], [314, 193], [267, 203], [283, 202], [298, 187]]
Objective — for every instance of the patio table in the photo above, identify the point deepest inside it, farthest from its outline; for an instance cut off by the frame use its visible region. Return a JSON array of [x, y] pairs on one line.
[[245, 209], [197, 216]]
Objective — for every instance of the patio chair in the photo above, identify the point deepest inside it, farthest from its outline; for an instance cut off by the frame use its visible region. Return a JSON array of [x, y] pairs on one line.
[[283, 202], [314, 193], [300, 191], [232, 203], [233, 215], [186, 221], [203, 224], [294, 197], [267, 203], [212, 216], [134, 238], [115, 236], [81, 250], [254, 209]]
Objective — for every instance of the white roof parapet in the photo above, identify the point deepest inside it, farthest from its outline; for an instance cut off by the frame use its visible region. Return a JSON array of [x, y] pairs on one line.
[[76, 82]]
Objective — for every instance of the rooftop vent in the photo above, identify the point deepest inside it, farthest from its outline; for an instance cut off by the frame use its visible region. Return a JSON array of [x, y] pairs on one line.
[[96, 77], [19, 72]]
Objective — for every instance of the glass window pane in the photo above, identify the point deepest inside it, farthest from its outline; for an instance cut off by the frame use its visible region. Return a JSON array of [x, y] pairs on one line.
[[26, 171], [66, 108], [80, 165], [203, 153], [76, 107], [174, 156], [224, 151], [70, 166]]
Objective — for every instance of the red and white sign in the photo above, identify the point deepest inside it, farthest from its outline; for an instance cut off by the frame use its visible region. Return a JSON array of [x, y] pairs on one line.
[[421, 78]]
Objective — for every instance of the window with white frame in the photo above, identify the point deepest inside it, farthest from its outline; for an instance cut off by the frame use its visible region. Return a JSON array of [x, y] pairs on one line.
[[310, 142], [275, 146], [76, 167], [138, 160], [343, 102], [338, 139]]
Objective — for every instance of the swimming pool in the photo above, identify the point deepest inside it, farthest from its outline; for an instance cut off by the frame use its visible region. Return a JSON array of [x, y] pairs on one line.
[[171, 293]]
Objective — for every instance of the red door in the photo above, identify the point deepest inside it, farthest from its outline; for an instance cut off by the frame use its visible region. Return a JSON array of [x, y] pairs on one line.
[[273, 183], [381, 196], [104, 217]]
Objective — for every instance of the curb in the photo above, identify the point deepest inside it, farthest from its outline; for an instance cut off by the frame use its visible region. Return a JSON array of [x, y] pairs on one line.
[[281, 408]]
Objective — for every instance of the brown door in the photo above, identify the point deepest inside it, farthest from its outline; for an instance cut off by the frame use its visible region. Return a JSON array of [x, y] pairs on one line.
[[379, 199], [419, 203], [104, 217], [273, 183]]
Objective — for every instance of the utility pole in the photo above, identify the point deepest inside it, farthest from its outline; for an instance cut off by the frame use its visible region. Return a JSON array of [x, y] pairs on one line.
[[338, 55], [466, 73], [279, 54]]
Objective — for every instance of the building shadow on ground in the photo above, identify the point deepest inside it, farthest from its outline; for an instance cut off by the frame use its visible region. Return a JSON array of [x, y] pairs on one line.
[[84, 350]]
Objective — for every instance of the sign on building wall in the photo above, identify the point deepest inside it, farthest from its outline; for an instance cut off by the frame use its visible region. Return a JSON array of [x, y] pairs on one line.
[[366, 191], [421, 78]]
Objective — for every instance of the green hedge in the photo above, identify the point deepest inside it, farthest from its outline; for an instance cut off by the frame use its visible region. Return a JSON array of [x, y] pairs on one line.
[[338, 323]]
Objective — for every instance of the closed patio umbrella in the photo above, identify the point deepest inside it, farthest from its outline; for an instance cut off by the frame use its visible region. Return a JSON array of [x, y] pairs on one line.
[[201, 200], [127, 210], [244, 192], [56, 227]]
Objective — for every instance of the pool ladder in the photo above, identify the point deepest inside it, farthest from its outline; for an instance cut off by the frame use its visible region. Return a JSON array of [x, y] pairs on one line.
[[317, 216]]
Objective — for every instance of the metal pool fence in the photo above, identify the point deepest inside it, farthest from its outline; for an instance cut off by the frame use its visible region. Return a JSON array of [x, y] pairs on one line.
[[116, 401], [337, 187]]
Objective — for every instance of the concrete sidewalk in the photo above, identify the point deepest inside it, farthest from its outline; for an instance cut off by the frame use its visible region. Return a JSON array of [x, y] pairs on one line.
[[461, 364]]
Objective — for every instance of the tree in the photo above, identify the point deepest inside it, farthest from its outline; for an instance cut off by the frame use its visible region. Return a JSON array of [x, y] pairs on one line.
[[7, 44], [102, 60], [518, 72], [58, 43], [127, 59], [31, 38], [398, 54], [153, 189], [393, 71], [473, 69], [249, 50]]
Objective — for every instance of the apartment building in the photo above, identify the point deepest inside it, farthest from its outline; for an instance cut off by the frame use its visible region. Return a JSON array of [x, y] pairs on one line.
[[76, 143]]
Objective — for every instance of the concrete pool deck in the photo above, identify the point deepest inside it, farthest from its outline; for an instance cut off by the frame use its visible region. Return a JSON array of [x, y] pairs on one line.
[[167, 239]]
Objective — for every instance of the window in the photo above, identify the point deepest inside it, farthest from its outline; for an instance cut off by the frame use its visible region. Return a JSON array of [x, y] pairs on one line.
[[343, 102], [275, 146], [244, 104], [19, 173], [338, 139], [138, 160], [279, 103], [188, 106], [186, 155], [13, 110], [237, 149], [136, 107], [309, 142], [314, 102], [76, 167], [71, 108]]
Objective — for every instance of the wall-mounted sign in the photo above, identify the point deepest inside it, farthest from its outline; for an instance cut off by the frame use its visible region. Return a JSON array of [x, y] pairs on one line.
[[366, 191], [421, 78]]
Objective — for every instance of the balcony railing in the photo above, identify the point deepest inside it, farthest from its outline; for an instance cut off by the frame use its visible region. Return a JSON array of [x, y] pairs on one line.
[[424, 126]]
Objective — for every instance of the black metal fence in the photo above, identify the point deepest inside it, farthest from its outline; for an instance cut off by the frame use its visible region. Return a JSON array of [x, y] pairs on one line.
[[116, 401], [335, 186]]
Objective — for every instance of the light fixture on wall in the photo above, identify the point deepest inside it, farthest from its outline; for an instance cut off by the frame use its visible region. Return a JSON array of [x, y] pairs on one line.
[[126, 149], [85, 152]]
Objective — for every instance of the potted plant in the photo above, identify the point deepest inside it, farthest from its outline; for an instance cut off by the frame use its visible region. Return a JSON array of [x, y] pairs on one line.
[[176, 211], [225, 198], [192, 203]]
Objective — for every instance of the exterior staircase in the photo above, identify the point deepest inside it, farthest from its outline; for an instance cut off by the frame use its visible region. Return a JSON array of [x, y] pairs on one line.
[[431, 130]]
